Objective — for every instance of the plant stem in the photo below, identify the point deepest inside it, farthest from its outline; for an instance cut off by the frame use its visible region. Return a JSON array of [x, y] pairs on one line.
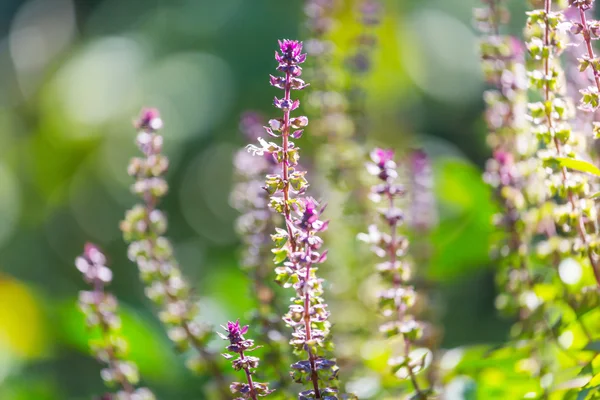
[[249, 379], [588, 44], [290, 230], [311, 357], [285, 173]]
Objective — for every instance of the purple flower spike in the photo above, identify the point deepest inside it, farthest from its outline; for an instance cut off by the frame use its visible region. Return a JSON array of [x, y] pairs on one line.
[[144, 228], [101, 313], [397, 300], [297, 247]]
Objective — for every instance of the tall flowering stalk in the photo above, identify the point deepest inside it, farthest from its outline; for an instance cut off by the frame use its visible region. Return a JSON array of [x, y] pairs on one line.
[[100, 309], [513, 173], [255, 225], [574, 216], [327, 102], [370, 13], [512, 170], [297, 247], [144, 227], [589, 102], [396, 301], [239, 345], [335, 105], [422, 219]]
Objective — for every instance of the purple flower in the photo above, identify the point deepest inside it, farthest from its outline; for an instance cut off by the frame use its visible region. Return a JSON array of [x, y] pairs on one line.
[[149, 120], [288, 60], [382, 156], [239, 345], [92, 264], [235, 331], [291, 51]]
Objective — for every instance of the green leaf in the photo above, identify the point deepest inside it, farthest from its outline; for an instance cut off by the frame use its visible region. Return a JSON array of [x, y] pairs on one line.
[[462, 239], [593, 346], [148, 346], [583, 395], [578, 165]]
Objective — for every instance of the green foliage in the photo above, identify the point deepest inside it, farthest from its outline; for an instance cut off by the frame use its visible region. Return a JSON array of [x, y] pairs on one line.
[[578, 165], [463, 238], [148, 346]]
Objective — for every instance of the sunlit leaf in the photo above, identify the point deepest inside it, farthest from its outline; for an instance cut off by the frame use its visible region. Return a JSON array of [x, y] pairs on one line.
[[578, 165]]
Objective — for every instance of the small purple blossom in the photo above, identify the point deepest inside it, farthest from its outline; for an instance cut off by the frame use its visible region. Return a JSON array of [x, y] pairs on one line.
[[238, 345], [381, 157], [235, 332], [149, 120]]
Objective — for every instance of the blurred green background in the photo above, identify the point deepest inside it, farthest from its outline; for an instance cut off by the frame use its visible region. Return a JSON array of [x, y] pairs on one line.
[[74, 74]]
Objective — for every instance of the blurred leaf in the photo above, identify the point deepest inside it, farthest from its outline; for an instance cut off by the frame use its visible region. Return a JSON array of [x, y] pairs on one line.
[[29, 389], [148, 346], [578, 165], [23, 327], [462, 238], [593, 346]]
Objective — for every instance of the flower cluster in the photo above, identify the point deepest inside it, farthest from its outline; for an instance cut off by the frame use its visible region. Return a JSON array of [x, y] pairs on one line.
[[298, 247], [396, 300], [238, 345], [143, 227], [100, 309], [254, 226]]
